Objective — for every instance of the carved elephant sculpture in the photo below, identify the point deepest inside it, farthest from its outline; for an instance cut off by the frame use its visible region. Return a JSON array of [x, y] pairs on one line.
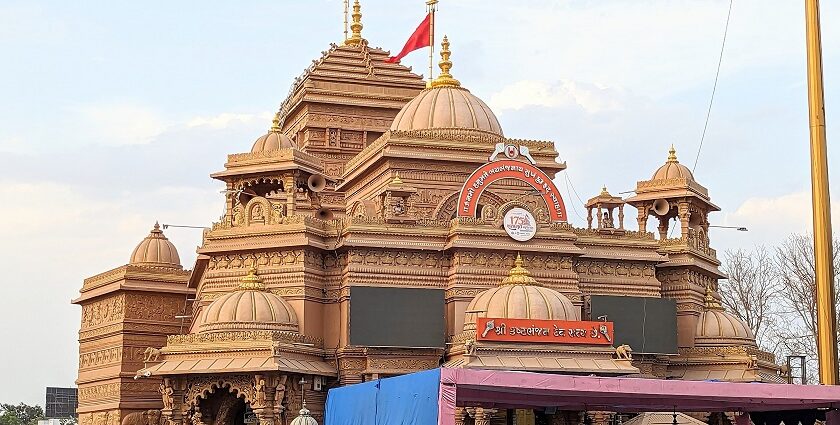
[[147, 417]]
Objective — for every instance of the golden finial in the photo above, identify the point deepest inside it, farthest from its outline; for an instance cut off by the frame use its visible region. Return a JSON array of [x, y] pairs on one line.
[[519, 275], [604, 191], [251, 282], [275, 123], [711, 302], [445, 78], [396, 180], [672, 154], [356, 27]]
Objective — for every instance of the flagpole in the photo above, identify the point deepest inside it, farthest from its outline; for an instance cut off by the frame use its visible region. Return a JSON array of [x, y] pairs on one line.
[[823, 256], [431, 4], [346, 11]]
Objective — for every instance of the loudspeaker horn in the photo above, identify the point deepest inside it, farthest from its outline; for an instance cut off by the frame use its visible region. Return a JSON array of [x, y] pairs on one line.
[[661, 207], [316, 182], [324, 214]]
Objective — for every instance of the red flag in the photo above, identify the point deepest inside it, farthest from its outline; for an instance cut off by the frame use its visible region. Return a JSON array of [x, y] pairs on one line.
[[418, 40]]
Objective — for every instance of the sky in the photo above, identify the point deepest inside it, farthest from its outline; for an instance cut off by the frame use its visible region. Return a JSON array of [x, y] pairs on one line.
[[113, 114]]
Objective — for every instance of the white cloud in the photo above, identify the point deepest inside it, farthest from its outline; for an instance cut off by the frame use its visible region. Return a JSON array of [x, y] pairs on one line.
[[55, 236], [562, 93], [120, 124], [227, 119]]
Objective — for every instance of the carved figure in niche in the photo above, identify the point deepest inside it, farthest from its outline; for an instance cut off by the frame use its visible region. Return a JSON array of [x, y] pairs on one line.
[[753, 363], [541, 215], [238, 215], [259, 390], [277, 213], [606, 221], [257, 213], [280, 392], [399, 207], [151, 355], [623, 352], [489, 213], [166, 393]]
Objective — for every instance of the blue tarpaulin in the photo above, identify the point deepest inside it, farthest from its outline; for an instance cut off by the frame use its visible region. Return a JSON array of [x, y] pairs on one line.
[[403, 400]]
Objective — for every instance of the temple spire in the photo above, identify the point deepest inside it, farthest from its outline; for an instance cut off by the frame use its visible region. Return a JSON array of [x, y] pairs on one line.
[[672, 154], [445, 78], [356, 27]]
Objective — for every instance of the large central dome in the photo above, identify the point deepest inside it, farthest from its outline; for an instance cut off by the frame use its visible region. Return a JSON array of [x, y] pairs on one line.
[[446, 105]]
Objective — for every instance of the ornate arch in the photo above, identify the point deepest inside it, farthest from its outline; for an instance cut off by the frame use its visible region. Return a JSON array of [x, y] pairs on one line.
[[242, 386], [258, 211]]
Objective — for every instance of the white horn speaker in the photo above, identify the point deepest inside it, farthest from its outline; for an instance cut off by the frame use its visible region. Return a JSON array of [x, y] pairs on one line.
[[324, 214], [661, 207], [316, 183]]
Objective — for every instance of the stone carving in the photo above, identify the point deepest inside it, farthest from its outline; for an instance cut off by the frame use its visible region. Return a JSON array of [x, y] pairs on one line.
[[624, 352], [147, 417], [166, 393], [151, 355], [105, 311]]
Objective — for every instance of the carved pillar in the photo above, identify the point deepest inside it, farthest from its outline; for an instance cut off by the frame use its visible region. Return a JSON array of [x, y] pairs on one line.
[[642, 218], [682, 211], [172, 394], [600, 218], [263, 403], [589, 217], [460, 415], [600, 418], [663, 228], [483, 416], [621, 217], [290, 185]]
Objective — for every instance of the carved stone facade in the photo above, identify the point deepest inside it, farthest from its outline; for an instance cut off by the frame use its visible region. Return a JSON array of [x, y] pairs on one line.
[[359, 201]]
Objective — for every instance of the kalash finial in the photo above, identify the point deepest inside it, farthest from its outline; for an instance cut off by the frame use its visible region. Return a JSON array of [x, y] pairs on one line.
[[275, 123], [519, 275], [251, 282], [604, 191], [672, 154], [445, 78], [711, 302], [356, 27]]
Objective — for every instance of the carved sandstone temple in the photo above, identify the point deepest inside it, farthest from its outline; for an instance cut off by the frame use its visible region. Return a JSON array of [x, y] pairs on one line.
[[358, 183]]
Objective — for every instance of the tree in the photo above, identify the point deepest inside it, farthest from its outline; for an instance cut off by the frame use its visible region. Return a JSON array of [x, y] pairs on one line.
[[752, 289], [22, 414]]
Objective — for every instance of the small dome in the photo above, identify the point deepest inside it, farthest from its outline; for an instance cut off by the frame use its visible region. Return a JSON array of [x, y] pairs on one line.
[[250, 307], [717, 327], [446, 105], [520, 297], [304, 418], [156, 250], [672, 169], [273, 140]]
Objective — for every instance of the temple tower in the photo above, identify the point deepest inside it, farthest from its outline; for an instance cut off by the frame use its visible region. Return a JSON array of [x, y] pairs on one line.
[[673, 194], [126, 311]]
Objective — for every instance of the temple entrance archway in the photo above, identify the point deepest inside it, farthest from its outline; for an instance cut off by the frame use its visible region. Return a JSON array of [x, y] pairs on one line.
[[223, 406]]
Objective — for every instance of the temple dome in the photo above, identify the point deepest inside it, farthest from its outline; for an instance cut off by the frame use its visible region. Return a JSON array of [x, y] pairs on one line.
[[273, 140], [717, 327], [304, 418], [520, 297], [156, 250], [446, 105], [672, 169], [249, 308]]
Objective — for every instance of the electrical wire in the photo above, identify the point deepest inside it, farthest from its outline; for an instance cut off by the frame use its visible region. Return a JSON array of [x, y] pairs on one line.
[[714, 87], [569, 191]]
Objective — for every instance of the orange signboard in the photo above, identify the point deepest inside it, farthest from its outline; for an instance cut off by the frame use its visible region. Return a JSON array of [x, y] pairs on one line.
[[550, 331]]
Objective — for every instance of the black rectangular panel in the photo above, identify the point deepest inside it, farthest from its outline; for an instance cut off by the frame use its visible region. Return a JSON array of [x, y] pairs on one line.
[[61, 402], [647, 325], [397, 317]]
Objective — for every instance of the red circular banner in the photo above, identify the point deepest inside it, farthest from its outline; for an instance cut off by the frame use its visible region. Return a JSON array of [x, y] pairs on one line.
[[509, 169]]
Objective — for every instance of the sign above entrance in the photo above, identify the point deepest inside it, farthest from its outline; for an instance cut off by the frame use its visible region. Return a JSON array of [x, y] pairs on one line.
[[544, 331], [490, 172], [520, 224]]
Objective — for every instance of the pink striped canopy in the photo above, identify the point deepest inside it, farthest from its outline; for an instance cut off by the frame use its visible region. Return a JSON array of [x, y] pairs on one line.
[[510, 389]]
